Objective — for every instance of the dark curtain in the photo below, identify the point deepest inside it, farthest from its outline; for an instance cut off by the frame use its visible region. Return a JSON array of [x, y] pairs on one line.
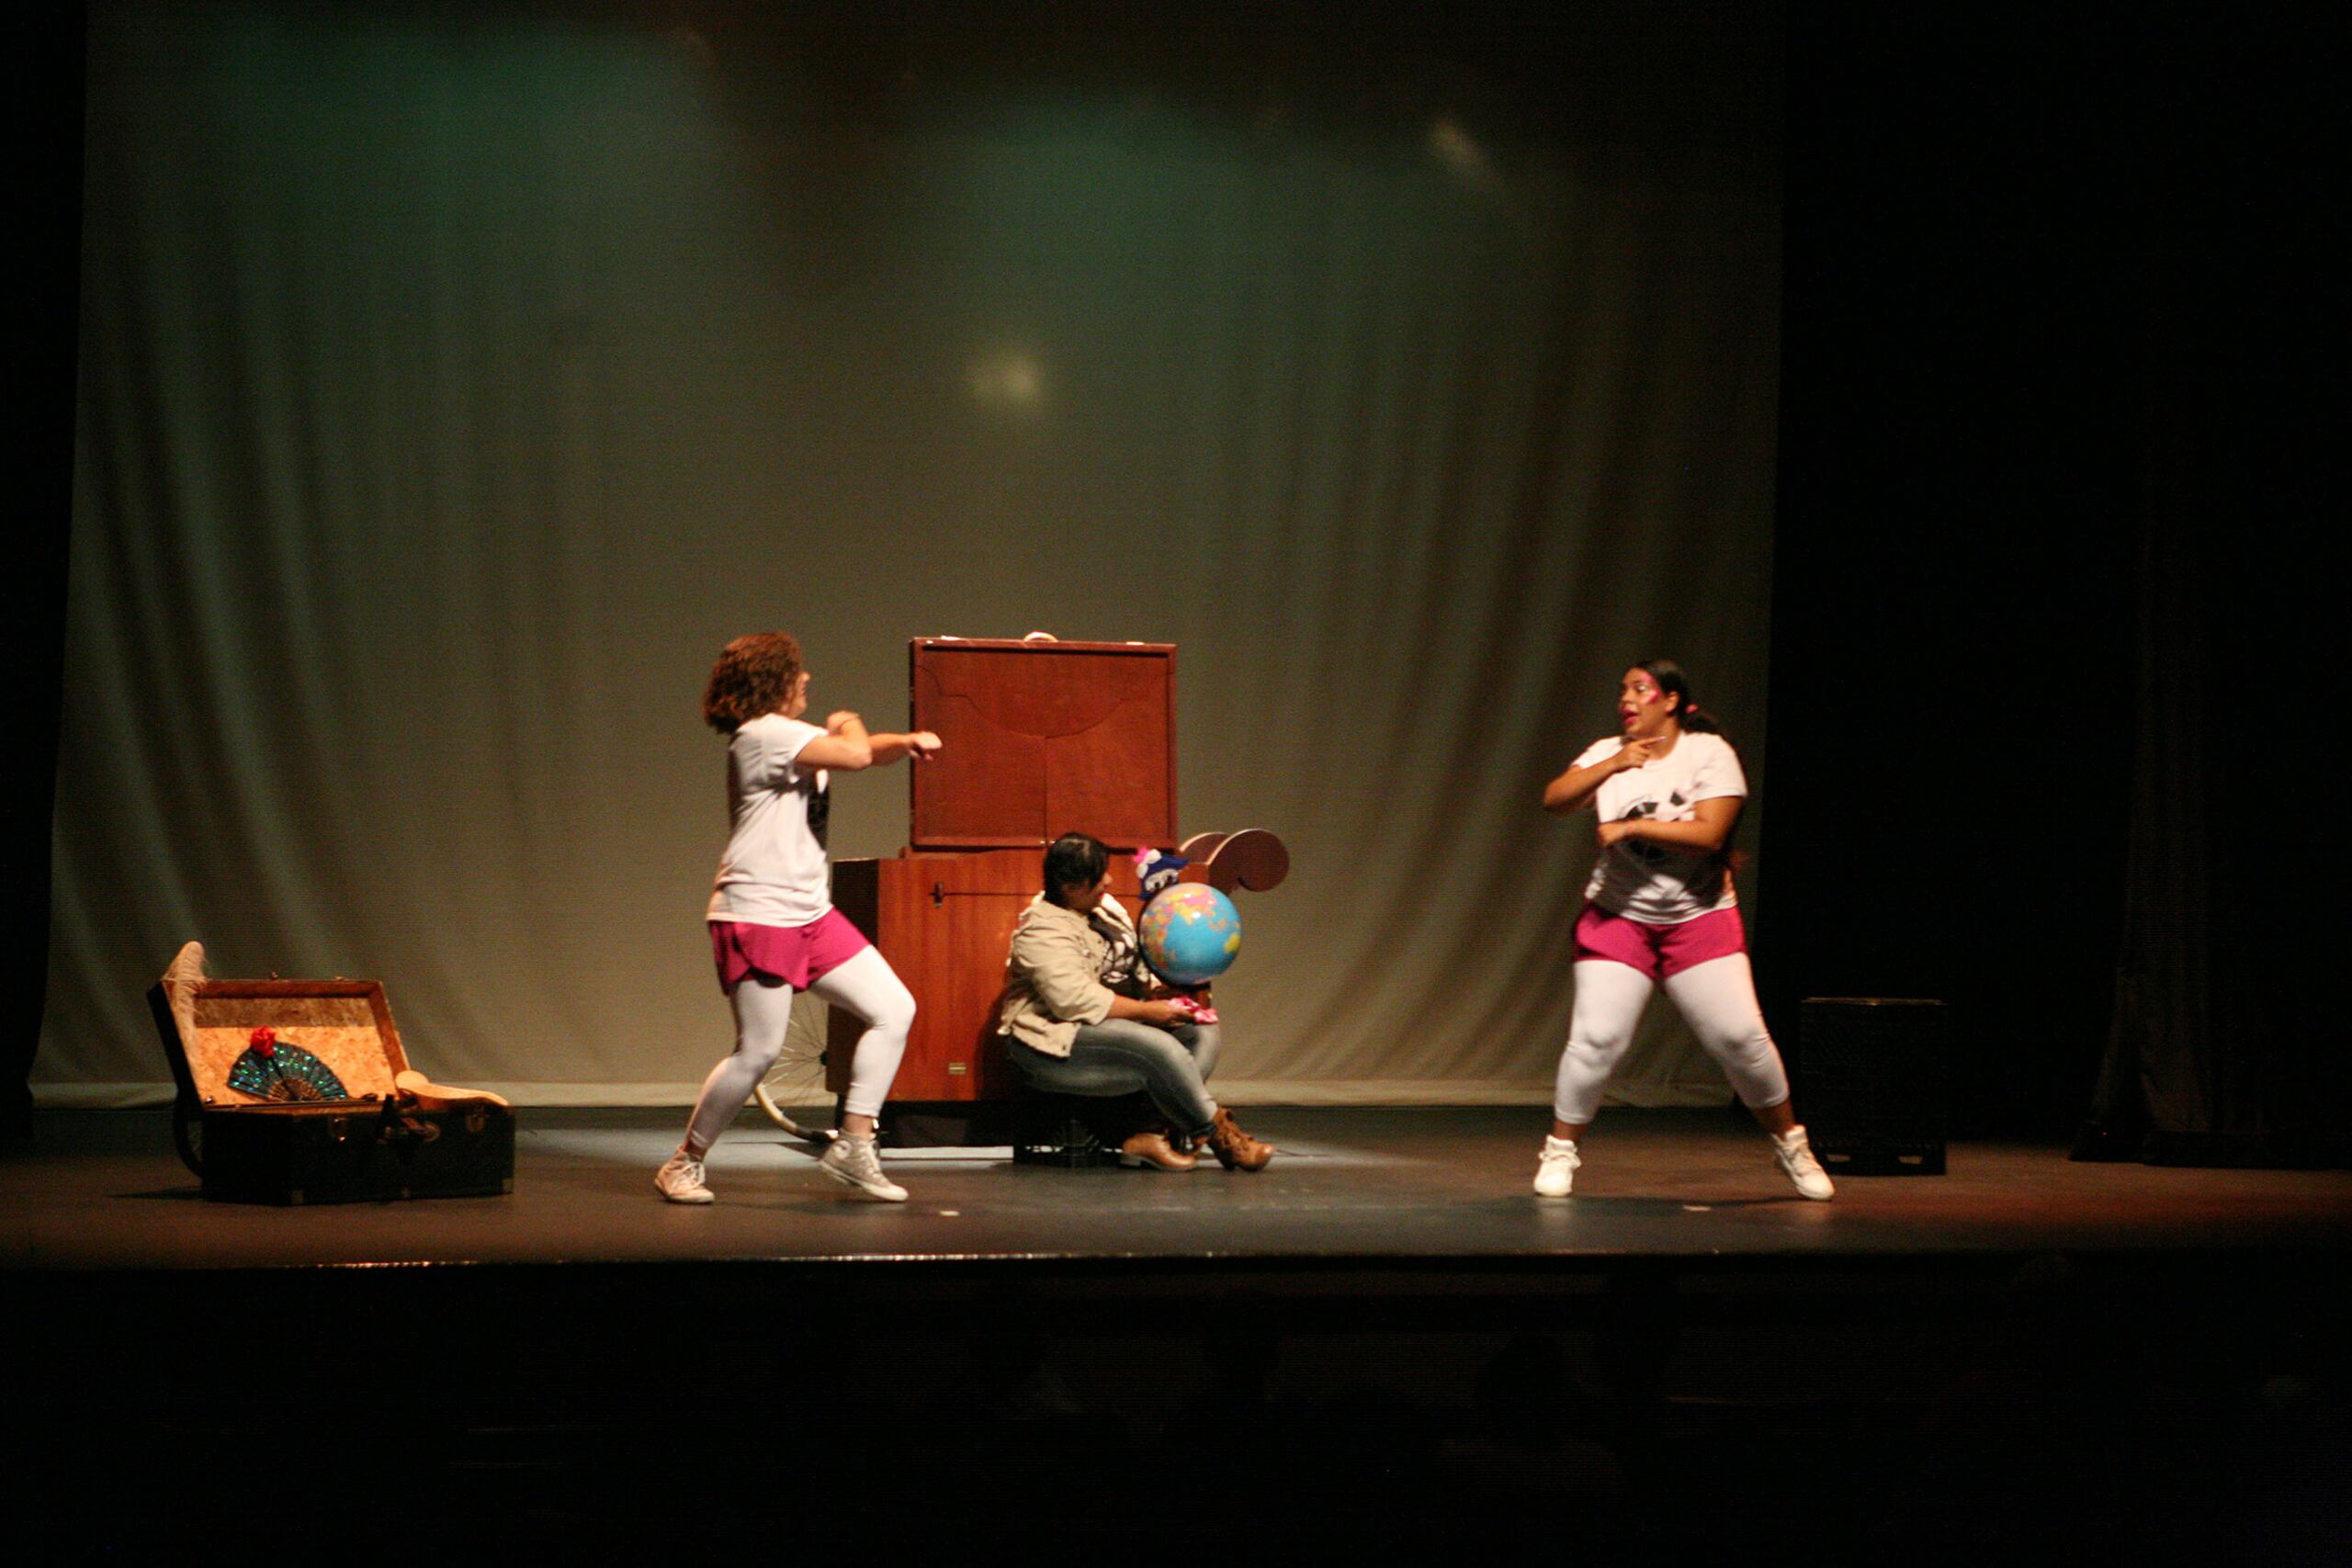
[[44, 139], [2053, 662], [1952, 603], [2222, 1050]]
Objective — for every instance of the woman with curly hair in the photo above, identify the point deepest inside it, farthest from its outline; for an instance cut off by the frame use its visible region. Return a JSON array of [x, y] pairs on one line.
[[773, 930], [1660, 912]]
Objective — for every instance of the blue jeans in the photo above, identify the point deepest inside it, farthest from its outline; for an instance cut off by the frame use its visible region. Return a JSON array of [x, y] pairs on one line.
[[1120, 1056]]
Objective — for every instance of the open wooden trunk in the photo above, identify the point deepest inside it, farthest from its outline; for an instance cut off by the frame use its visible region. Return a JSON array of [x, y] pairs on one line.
[[324, 1107]]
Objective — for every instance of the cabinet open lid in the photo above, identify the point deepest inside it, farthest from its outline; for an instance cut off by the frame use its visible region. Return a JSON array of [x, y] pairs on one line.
[[1042, 738]]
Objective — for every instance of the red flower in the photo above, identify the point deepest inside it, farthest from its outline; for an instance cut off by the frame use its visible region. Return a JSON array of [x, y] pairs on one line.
[[263, 1042]]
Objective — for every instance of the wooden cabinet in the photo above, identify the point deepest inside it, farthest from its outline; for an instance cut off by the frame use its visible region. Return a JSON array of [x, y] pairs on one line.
[[943, 921], [1041, 738]]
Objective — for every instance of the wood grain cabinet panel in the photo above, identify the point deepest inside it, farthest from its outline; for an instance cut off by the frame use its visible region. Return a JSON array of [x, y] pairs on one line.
[[1040, 740]]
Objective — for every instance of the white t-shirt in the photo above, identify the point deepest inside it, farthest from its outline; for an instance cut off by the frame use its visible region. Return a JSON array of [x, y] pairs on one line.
[[773, 871], [1663, 885]]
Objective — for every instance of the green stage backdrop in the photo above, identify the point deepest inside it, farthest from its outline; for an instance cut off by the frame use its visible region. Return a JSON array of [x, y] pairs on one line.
[[455, 379]]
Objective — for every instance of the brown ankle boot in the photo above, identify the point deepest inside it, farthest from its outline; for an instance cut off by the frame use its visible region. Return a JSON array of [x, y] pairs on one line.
[[1151, 1148], [1235, 1149]]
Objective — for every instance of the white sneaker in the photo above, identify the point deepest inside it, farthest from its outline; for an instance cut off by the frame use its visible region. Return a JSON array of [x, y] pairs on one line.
[[1794, 1156], [853, 1163], [681, 1179], [1556, 1171]]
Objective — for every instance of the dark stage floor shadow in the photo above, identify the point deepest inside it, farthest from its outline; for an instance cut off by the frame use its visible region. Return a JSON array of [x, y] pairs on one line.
[[1380, 1342]]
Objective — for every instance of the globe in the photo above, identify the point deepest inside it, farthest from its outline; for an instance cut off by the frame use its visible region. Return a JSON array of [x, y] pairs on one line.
[[1190, 934]]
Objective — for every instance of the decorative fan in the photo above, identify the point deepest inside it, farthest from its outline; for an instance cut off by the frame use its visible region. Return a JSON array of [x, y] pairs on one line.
[[280, 1070]]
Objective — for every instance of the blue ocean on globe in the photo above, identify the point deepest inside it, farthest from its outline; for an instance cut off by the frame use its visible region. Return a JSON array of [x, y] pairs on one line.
[[1190, 934]]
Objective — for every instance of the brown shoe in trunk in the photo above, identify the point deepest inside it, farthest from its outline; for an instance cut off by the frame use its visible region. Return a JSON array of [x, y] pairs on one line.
[[1235, 1149]]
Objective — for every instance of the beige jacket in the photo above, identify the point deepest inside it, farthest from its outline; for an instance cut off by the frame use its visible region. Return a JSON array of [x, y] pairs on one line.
[[1053, 976]]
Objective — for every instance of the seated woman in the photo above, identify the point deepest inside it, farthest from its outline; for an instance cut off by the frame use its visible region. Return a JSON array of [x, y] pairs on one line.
[[1079, 1017]]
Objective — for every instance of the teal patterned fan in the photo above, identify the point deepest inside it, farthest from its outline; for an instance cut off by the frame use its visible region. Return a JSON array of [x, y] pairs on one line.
[[280, 1070]]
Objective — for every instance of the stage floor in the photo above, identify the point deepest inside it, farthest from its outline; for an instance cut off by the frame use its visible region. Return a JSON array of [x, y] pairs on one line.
[[1382, 1340], [103, 1190]]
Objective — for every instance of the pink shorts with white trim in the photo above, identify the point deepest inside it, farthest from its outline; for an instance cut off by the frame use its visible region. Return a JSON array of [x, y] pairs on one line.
[[1658, 950], [793, 954]]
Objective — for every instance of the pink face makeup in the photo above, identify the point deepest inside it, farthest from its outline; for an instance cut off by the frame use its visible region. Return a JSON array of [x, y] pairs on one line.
[[1642, 709]]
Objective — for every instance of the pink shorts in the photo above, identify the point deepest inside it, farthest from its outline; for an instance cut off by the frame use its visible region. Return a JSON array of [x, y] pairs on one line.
[[793, 954], [1658, 950]]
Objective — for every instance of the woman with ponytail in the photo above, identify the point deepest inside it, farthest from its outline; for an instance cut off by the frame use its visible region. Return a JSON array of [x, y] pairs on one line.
[[1661, 911]]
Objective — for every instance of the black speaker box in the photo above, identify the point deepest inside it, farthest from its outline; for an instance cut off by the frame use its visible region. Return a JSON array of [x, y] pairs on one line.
[[1873, 1081]]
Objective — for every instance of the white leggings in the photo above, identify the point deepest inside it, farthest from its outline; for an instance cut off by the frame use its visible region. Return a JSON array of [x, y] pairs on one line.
[[1716, 998], [864, 985]]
